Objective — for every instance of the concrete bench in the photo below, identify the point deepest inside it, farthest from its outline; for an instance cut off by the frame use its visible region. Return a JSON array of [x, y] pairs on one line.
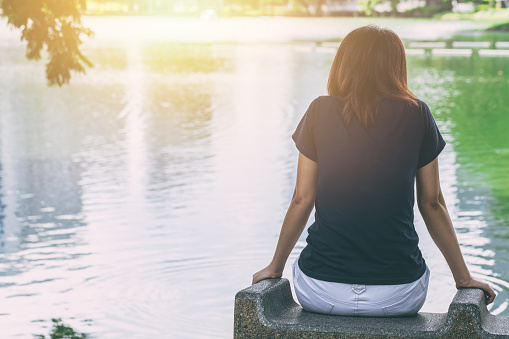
[[267, 310]]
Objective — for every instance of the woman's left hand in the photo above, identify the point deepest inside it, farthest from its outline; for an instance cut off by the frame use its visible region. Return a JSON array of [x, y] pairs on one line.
[[266, 273]]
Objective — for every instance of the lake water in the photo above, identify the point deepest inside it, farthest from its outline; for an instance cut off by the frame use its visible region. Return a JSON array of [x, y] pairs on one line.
[[138, 200]]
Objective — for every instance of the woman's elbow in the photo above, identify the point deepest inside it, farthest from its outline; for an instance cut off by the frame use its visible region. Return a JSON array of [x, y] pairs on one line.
[[429, 205], [303, 200]]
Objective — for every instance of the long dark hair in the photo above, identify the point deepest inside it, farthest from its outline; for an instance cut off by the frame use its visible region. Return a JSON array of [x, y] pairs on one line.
[[369, 63]]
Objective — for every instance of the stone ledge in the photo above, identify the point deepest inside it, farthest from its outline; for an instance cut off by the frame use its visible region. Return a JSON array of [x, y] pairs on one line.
[[267, 310]]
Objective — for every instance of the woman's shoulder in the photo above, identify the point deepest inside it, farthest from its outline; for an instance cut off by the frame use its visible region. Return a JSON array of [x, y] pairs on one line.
[[323, 102], [420, 103], [422, 108], [325, 105], [328, 98], [414, 105]]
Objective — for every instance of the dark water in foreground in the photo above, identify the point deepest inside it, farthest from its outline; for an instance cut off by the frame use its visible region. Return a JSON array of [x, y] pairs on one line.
[[138, 200]]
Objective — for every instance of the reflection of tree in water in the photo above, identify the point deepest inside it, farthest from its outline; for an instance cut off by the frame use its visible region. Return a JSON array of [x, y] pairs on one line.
[[179, 111], [183, 58], [44, 144], [481, 124], [178, 115], [476, 108], [39, 137], [49, 194], [48, 210], [481, 128]]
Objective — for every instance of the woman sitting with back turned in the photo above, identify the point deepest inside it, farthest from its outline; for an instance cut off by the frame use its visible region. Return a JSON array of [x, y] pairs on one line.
[[361, 150]]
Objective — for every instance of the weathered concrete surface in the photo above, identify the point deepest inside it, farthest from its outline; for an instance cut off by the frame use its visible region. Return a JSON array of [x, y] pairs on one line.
[[267, 310]]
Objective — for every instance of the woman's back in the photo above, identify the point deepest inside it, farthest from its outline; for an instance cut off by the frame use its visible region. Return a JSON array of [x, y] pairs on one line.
[[359, 159], [363, 231]]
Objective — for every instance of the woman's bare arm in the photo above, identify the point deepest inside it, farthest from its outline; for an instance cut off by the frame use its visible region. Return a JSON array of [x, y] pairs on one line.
[[432, 206], [296, 218]]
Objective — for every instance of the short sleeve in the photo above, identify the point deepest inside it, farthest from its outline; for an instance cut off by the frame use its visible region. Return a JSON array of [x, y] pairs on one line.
[[304, 134], [432, 143]]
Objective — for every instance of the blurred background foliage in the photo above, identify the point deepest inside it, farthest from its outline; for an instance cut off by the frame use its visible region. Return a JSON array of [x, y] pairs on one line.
[[290, 7]]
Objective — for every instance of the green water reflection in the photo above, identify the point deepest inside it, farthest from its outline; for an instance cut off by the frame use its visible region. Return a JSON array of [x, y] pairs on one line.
[[469, 98], [474, 101]]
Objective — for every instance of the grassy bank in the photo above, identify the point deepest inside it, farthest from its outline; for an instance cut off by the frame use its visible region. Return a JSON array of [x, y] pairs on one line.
[[500, 28]]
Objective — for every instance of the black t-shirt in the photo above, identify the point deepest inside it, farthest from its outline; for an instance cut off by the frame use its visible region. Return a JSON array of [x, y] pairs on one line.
[[364, 222]]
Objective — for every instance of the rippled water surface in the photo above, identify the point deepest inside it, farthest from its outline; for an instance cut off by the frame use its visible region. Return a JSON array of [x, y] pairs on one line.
[[138, 200]]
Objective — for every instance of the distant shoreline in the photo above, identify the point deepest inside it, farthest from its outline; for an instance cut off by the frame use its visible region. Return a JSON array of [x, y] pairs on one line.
[[498, 18]]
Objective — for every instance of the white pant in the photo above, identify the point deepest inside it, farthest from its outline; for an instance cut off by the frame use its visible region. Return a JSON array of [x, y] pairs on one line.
[[359, 300]]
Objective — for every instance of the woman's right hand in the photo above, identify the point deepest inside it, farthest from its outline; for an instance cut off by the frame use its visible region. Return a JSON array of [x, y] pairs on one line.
[[472, 283], [266, 273]]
